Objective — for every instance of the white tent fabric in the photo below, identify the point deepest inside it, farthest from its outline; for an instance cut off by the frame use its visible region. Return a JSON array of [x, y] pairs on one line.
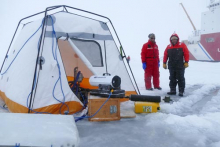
[[18, 71]]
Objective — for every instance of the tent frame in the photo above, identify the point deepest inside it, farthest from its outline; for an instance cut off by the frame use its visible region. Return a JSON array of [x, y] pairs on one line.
[[42, 38]]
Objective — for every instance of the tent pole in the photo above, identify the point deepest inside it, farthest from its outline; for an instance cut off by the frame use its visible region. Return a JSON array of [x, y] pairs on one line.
[[41, 38], [35, 89], [10, 45], [33, 83], [106, 67], [65, 8], [128, 66], [16, 32], [124, 55]]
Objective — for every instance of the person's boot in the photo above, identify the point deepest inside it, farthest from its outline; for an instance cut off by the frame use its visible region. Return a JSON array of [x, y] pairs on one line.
[[172, 92], [151, 89], [181, 91], [159, 88]]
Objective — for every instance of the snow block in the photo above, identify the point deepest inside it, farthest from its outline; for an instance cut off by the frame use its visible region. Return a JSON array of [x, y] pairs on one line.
[[38, 130]]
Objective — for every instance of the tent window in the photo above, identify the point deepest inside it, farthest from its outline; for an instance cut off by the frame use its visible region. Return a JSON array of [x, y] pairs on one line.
[[91, 50]]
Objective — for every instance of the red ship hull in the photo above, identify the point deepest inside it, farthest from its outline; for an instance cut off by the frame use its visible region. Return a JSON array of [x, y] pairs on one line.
[[211, 43], [208, 49]]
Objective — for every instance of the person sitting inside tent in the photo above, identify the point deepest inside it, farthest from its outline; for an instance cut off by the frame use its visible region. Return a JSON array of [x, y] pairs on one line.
[[151, 63]]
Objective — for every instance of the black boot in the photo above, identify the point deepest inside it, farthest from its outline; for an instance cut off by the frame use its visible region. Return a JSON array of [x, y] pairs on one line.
[[159, 88], [181, 91], [151, 89], [172, 92]]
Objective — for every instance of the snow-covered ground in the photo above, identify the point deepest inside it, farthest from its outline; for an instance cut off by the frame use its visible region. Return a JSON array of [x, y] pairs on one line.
[[190, 121], [193, 120]]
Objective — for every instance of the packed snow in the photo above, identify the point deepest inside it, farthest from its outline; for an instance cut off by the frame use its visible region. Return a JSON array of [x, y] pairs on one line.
[[28, 129]]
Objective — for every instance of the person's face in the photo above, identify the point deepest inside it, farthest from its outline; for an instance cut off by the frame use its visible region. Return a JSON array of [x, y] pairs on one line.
[[152, 39], [174, 41]]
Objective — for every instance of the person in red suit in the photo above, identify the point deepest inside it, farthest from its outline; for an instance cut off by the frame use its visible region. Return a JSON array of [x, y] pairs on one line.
[[178, 55], [151, 63]]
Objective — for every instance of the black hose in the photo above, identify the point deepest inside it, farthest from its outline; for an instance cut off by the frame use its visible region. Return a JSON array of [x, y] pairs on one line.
[[145, 98]]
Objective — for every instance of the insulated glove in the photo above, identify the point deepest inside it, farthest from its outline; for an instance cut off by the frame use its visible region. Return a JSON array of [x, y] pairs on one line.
[[165, 66], [186, 64], [144, 65]]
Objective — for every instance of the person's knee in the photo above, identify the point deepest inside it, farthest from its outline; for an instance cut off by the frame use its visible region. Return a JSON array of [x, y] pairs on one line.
[[181, 78], [172, 77], [148, 78]]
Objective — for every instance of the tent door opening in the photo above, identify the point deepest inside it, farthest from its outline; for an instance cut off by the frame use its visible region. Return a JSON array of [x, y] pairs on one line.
[[80, 57]]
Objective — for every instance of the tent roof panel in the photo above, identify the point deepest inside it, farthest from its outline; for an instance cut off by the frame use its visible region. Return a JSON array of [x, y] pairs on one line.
[[70, 23]]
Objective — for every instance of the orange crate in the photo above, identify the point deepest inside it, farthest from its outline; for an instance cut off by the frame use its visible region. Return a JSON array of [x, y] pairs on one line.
[[109, 112]]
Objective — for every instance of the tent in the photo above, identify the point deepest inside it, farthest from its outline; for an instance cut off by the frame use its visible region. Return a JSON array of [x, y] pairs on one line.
[[39, 64]]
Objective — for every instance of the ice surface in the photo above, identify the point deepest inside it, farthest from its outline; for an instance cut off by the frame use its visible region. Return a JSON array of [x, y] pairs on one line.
[[192, 120], [166, 128]]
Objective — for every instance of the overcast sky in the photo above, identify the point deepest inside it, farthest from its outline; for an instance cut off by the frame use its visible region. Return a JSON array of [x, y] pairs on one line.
[[133, 19]]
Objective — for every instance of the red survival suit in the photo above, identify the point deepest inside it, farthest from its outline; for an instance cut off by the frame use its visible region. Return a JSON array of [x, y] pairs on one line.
[[150, 55]]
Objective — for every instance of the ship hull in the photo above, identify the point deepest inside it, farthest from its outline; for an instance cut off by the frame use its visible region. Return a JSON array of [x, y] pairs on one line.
[[208, 49]]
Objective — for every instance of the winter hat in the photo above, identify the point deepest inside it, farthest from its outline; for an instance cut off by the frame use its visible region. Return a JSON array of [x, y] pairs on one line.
[[151, 35], [174, 37]]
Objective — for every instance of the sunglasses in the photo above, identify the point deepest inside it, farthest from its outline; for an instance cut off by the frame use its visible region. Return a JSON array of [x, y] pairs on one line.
[[152, 38]]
